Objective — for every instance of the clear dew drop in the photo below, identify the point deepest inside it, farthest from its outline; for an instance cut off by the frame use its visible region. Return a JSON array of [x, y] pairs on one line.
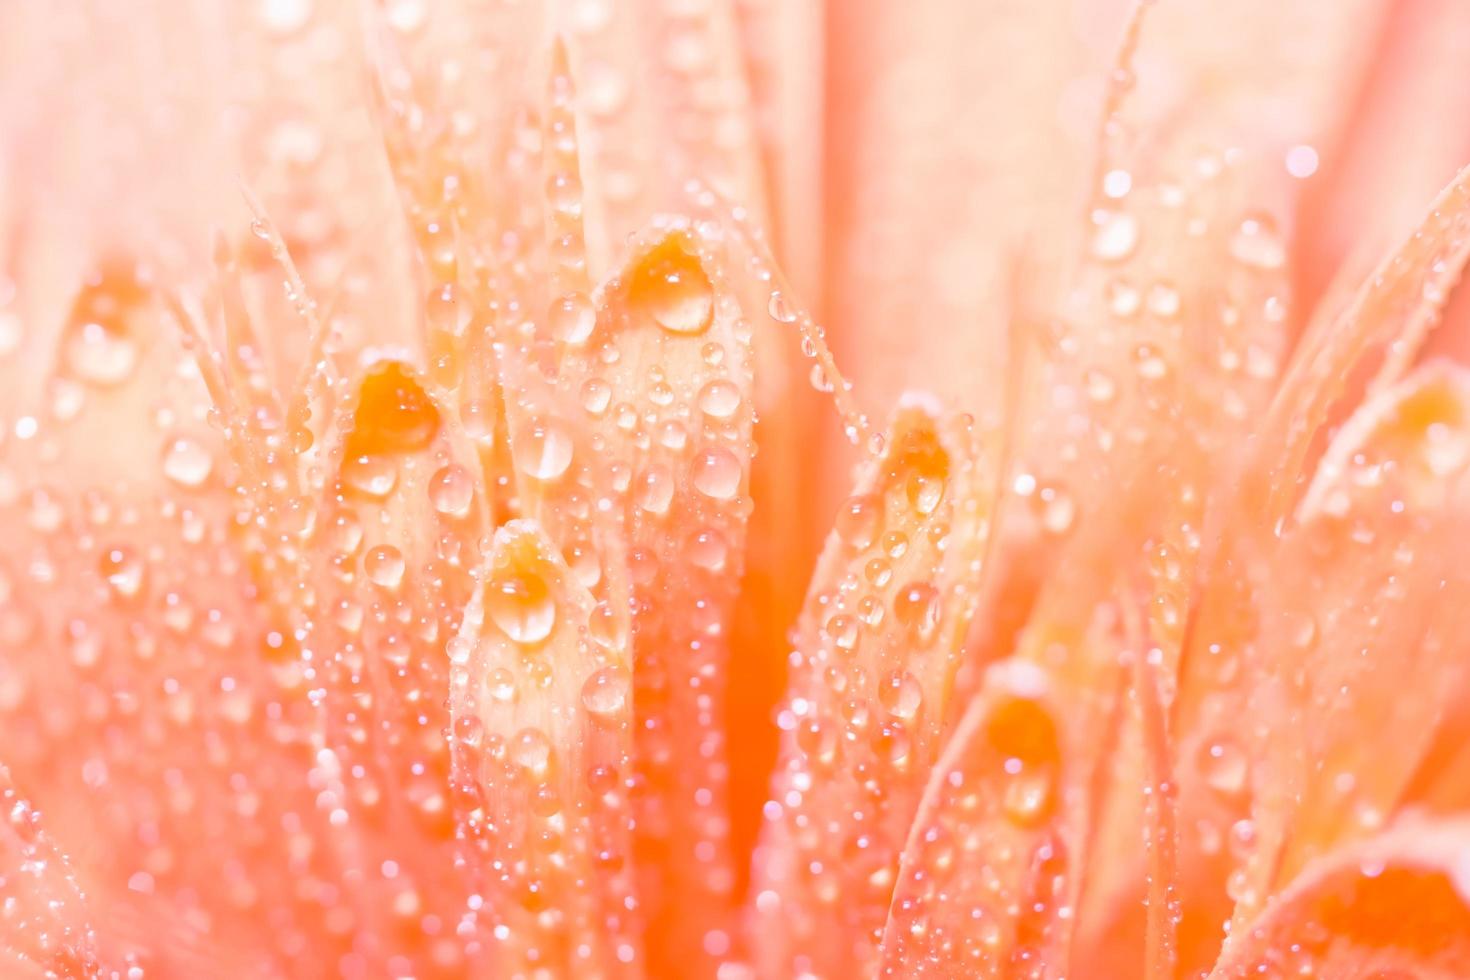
[[384, 566], [11, 333], [544, 451], [99, 354], [916, 608], [572, 318], [779, 309], [859, 520], [531, 749], [671, 286], [1257, 243], [596, 396], [655, 490], [407, 17], [187, 462], [122, 568], [1114, 236], [605, 692], [1163, 300], [707, 550], [716, 473], [285, 17], [522, 606], [1057, 509], [452, 490], [900, 695], [1100, 386], [1225, 767], [719, 398], [1122, 297]]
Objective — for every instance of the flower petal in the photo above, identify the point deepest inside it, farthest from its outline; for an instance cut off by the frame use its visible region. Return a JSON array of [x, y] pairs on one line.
[[542, 715], [876, 652], [1344, 915]]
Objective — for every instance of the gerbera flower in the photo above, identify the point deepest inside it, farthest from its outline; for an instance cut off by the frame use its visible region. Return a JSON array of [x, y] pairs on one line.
[[419, 428]]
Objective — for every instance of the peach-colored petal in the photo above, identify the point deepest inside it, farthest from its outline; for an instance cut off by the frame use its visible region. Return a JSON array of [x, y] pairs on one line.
[[1402, 143], [543, 711], [875, 654], [1340, 722], [1345, 915], [47, 932]]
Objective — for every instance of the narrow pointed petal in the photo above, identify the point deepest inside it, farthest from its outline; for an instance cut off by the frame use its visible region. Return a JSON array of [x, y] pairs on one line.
[[542, 716], [876, 651]]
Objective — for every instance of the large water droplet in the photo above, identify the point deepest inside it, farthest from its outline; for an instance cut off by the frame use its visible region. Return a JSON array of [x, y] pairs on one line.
[[394, 414], [716, 473], [187, 461], [531, 749], [605, 692], [1257, 243], [900, 695], [123, 570], [284, 17], [656, 489], [522, 606], [707, 550], [719, 399], [100, 354], [384, 566], [572, 318], [544, 451], [671, 286], [1114, 236], [452, 490], [1225, 766], [917, 607]]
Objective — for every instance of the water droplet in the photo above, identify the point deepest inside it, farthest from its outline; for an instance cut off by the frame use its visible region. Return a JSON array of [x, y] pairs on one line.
[[1257, 243], [707, 550], [1301, 161], [11, 333], [1163, 300], [1021, 732], [1225, 767], [531, 749], [452, 490], [1122, 298], [572, 318], [373, 476], [605, 693], [100, 354], [671, 286], [522, 606], [187, 462], [656, 489], [1117, 183], [1115, 236], [394, 414], [1100, 386], [544, 451], [900, 695], [406, 16], [123, 570], [596, 395], [719, 399], [384, 566], [717, 473], [284, 17], [916, 607], [779, 309], [1057, 509], [858, 521]]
